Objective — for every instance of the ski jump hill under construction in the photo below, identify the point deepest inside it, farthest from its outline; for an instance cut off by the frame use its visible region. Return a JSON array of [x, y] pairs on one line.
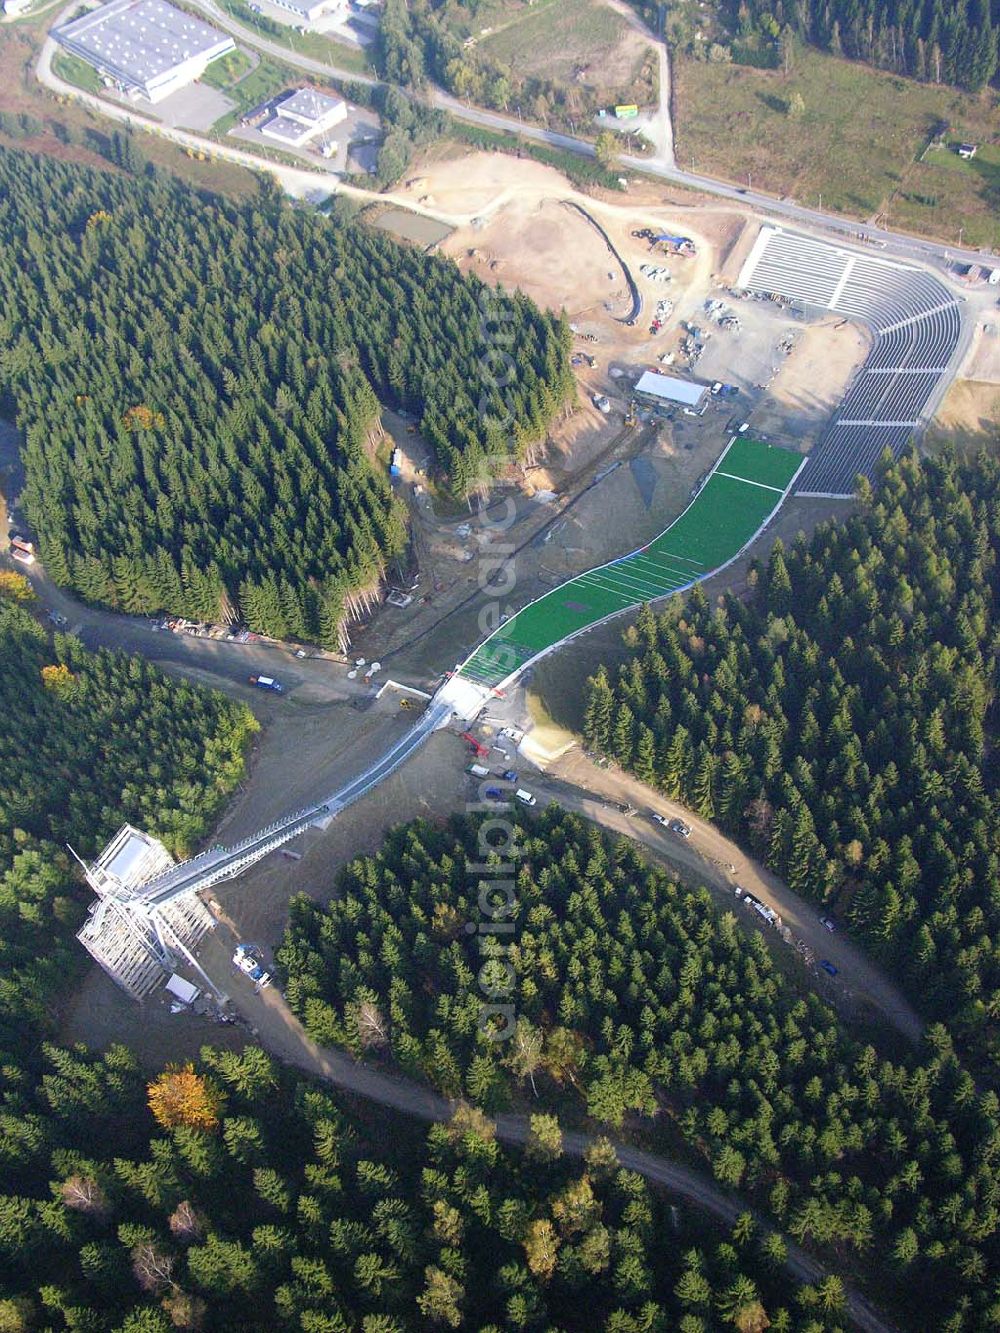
[[147, 913]]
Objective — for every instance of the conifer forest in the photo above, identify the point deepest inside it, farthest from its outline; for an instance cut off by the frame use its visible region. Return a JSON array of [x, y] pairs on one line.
[[198, 384]]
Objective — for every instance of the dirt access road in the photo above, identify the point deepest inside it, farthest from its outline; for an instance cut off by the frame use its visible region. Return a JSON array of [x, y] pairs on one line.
[[279, 1031], [860, 989], [657, 127]]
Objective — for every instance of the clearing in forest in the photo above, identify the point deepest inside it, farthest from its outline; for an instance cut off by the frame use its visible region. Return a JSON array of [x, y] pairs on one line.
[[738, 498]]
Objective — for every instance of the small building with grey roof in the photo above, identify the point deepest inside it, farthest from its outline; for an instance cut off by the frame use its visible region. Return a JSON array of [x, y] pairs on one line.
[[302, 115]]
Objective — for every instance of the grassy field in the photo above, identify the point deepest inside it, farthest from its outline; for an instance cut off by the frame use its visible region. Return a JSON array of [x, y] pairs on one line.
[[77, 72], [223, 73], [553, 40], [313, 44], [736, 500], [579, 44], [733, 121], [262, 83]]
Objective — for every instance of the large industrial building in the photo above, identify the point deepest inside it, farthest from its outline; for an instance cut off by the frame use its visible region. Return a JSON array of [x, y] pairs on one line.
[[664, 391], [302, 115], [147, 47]]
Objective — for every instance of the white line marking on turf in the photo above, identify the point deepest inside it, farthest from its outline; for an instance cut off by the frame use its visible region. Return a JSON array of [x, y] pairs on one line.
[[762, 484]]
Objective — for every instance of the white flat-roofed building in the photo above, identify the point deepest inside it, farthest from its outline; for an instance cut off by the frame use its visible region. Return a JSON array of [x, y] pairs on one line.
[[311, 10], [285, 130], [12, 8], [666, 391], [147, 46], [302, 115]]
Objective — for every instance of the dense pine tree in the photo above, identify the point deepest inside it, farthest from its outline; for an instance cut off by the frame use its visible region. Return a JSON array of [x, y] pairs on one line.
[[229, 1195], [953, 43], [634, 998], [840, 721], [198, 384]]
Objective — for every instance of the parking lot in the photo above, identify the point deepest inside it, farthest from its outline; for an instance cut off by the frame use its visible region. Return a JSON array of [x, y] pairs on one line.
[[196, 107]]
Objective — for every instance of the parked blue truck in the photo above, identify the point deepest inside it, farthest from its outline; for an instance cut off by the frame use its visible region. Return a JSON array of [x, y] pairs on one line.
[[267, 683]]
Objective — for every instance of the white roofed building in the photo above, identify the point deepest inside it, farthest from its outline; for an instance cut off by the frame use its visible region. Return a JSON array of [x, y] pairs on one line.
[[147, 46], [665, 391], [130, 860], [311, 10], [302, 115]]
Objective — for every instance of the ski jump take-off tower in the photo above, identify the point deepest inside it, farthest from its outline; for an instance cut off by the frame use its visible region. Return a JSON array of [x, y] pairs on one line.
[[148, 914]]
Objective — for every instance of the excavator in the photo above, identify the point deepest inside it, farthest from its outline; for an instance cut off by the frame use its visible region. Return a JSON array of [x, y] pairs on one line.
[[675, 245]]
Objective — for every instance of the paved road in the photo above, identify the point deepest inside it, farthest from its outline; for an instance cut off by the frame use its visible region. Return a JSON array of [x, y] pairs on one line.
[[279, 1031], [319, 680]]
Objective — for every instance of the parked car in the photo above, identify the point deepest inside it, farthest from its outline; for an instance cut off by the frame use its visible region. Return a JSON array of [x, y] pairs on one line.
[[827, 966], [525, 797], [828, 922], [660, 819], [494, 794], [680, 828], [509, 775]]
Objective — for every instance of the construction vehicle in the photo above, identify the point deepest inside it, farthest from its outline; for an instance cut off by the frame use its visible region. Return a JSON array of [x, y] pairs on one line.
[[476, 747], [267, 683], [248, 960], [407, 703], [631, 413], [675, 245]]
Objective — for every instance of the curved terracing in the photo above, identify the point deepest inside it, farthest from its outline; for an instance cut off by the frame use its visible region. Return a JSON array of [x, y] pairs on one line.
[[916, 325]]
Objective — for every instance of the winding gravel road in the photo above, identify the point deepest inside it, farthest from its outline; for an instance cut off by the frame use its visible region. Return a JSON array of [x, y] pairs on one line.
[[280, 1032]]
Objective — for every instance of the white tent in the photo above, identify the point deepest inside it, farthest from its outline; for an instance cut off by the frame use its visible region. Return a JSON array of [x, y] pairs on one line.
[[184, 991]]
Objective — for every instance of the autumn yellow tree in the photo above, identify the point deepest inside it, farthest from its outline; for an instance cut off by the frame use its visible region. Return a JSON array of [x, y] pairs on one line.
[[59, 679], [15, 587], [541, 1248], [142, 418], [179, 1096]]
